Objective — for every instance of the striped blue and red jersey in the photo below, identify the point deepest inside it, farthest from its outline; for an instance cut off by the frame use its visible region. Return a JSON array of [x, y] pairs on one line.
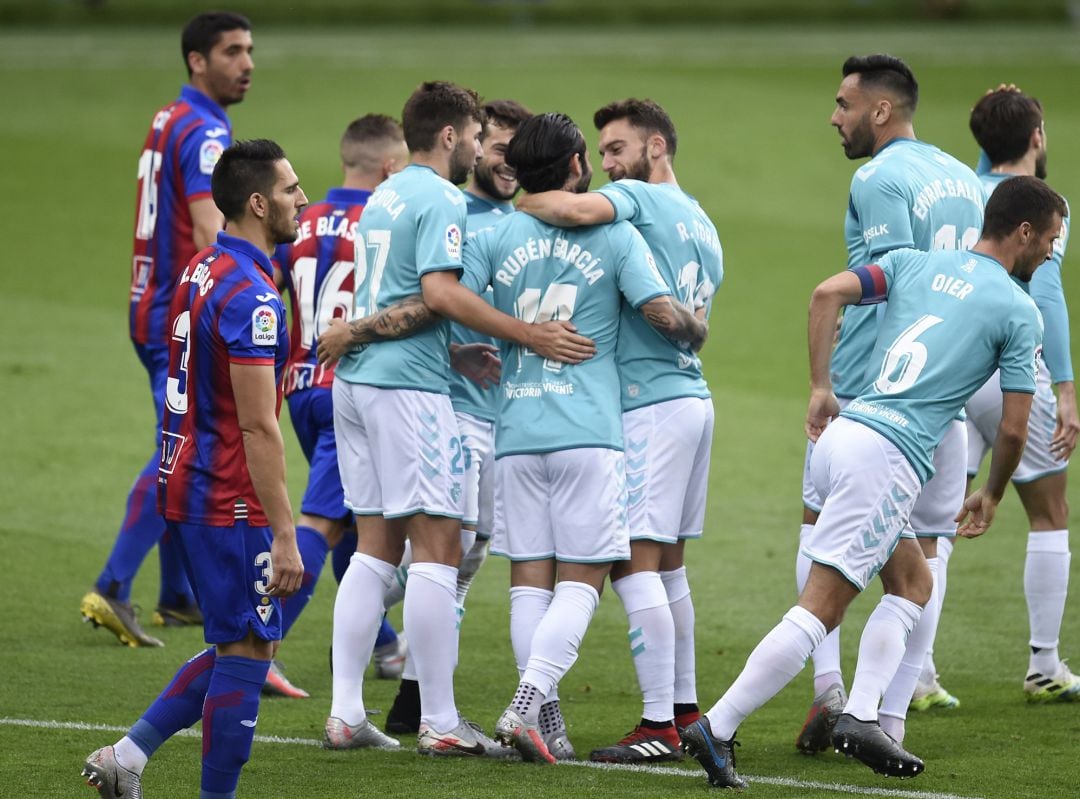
[[186, 139], [319, 270], [226, 310]]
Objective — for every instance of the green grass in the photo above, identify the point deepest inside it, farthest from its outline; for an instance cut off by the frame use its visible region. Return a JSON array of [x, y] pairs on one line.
[[752, 109]]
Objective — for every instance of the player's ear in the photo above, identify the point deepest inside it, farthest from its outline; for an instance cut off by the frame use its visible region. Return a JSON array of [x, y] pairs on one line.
[[883, 111], [196, 62], [258, 205], [448, 137], [657, 146]]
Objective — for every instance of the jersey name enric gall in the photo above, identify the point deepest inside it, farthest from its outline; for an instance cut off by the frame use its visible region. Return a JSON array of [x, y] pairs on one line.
[[186, 139], [225, 311], [319, 271]]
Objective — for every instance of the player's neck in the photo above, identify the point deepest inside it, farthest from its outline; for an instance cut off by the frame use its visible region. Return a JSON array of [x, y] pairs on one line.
[[361, 182], [1022, 166], [252, 231], [434, 160], [904, 130], [663, 172], [999, 251], [201, 87]]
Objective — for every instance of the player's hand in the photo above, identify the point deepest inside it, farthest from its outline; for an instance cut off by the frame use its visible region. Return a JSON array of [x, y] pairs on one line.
[[335, 341], [823, 409], [976, 514], [560, 341], [479, 362], [287, 570], [1068, 423]]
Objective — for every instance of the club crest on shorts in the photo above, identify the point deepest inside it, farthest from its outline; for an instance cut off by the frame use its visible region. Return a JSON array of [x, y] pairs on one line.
[[453, 242], [265, 612], [264, 326]]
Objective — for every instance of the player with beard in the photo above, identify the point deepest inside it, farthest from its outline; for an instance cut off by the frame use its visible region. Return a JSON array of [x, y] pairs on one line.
[[667, 414], [488, 196], [399, 451], [560, 481], [221, 481]]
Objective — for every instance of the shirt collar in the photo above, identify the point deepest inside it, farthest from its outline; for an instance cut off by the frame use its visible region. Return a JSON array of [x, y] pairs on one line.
[[506, 207], [194, 97], [248, 249], [343, 195]]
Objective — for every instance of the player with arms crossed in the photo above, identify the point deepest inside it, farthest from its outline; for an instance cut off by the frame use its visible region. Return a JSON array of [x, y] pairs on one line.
[[909, 194], [1008, 125], [489, 197], [558, 431], [953, 317], [393, 420], [175, 217], [317, 271], [667, 413], [221, 484]]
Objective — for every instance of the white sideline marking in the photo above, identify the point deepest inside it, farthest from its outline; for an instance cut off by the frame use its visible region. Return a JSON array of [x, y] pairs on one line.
[[785, 782]]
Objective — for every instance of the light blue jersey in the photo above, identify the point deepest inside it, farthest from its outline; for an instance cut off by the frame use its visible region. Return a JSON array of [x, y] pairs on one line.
[[688, 255], [538, 273], [465, 395], [952, 319], [1049, 295], [413, 224], [911, 194]]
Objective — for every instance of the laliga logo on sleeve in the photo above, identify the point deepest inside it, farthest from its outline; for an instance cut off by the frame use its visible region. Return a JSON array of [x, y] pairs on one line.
[[264, 326], [209, 153], [453, 242]]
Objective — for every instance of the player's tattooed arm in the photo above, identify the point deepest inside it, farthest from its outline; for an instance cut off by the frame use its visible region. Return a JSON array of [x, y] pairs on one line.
[[400, 320], [676, 322]]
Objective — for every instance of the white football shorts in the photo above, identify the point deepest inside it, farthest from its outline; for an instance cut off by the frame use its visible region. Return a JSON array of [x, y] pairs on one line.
[[399, 452], [810, 497], [869, 489], [569, 505], [667, 468], [984, 416], [478, 497], [943, 495]]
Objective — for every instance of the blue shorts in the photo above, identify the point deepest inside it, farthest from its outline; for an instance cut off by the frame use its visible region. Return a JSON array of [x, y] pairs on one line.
[[312, 414], [229, 569], [156, 362]]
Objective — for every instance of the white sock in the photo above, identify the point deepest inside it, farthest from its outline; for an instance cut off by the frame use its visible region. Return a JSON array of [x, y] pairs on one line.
[[941, 579], [894, 704], [527, 608], [1046, 585], [431, 627], [557, 638], [652, 641], [827, 670], [358, 612], [395, 592], [775, 661], [471, 561], [682, 614], [129, 755], [881, 648]]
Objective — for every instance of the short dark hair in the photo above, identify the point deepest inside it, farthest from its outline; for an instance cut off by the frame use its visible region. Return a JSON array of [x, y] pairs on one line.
[[1021, 199], [245, 168], [507, 114], [541, 150], [204, 31], [433, 106], [1002, 123], [880, 71], [370, 129], [644, 114]]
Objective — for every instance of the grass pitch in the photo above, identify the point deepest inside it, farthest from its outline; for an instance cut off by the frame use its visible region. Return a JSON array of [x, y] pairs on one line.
[[752, 109]]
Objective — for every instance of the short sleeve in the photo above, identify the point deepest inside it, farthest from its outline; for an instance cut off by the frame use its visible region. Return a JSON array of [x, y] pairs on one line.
[[1020, 354], [476, 261], [638, 278], [250, 324], [883, 214], [622, 199], [199, 154], [440, 232]]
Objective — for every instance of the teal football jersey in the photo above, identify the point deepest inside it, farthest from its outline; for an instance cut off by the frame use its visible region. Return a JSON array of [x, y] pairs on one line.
[[413, 224], [1049, 295], [465, 395], [911, 194], [684, 242], [539, 272], [952, 319]]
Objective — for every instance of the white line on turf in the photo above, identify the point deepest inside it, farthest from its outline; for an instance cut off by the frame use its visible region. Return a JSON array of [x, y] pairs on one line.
[[786, 782]]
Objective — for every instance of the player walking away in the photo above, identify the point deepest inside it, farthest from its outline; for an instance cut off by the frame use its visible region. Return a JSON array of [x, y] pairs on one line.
[[175, 217], [560, 483], [1008, 125], [910, 194], [393, 419], [952, 319], [221, 485], [317, 271], [667, 414], [489, 197]]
